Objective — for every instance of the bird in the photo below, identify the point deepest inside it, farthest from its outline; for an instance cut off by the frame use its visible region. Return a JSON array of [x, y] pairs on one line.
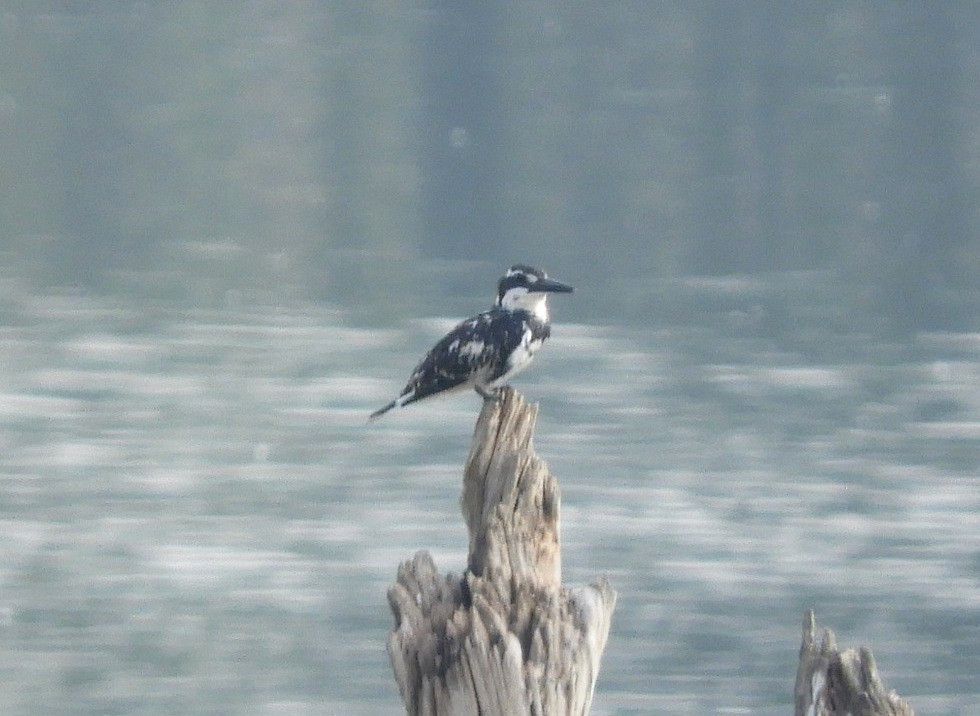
[[487, 350]]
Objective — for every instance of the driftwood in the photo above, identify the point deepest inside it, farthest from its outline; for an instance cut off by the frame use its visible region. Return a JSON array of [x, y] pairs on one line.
[[831, 682], [506, 638]]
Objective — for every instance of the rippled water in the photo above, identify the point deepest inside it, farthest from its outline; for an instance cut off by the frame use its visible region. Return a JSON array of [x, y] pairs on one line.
[[197, 519]]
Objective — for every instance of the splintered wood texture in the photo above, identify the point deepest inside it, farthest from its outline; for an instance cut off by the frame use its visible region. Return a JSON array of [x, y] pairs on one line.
[[831, 682], [510, 500], [505, 638]]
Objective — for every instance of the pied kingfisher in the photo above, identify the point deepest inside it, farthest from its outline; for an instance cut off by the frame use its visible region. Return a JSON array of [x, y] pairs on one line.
[[485, 351]]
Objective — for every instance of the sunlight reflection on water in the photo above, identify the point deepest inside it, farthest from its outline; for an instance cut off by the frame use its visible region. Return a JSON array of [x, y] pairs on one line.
[[195, 510]]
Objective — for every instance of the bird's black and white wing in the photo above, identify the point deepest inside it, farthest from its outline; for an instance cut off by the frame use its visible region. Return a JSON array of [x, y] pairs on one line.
[[474, 353]]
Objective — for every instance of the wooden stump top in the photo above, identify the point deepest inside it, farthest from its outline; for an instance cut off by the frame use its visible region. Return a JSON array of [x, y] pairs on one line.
[[510, 501], [830, 681], [506, 638]]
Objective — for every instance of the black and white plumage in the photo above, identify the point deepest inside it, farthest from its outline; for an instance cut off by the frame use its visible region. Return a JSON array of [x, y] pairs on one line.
[[486, 351]]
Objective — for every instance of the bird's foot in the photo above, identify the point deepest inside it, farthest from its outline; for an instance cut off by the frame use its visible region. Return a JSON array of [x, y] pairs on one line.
[[489, 393]]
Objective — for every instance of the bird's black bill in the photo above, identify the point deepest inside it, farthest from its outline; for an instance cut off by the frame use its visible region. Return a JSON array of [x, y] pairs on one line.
[[549, 285]]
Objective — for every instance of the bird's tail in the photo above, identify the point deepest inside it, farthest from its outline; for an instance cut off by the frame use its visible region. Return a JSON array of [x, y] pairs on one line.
[[381, 411]]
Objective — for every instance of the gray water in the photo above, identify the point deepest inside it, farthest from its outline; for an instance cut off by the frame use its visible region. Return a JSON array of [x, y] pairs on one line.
[[197, 519]]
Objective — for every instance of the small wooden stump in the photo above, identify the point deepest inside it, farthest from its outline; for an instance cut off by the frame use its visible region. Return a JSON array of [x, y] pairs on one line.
[[506, 638], [831, 682]]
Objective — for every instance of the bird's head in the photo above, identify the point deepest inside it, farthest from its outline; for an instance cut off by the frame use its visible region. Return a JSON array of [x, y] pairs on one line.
[[526, 288]]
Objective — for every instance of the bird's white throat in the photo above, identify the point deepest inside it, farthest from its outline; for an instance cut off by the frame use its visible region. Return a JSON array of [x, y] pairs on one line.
[[520, 299]]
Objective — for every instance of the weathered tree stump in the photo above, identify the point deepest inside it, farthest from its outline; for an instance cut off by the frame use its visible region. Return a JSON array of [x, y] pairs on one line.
[[507, 638], [831, 682]]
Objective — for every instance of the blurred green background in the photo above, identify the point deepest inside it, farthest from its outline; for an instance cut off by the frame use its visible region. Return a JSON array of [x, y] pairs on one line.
[[349, 150]]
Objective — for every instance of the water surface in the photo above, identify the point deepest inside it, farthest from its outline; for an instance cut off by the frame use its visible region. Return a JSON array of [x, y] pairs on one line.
[[197, 519]]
